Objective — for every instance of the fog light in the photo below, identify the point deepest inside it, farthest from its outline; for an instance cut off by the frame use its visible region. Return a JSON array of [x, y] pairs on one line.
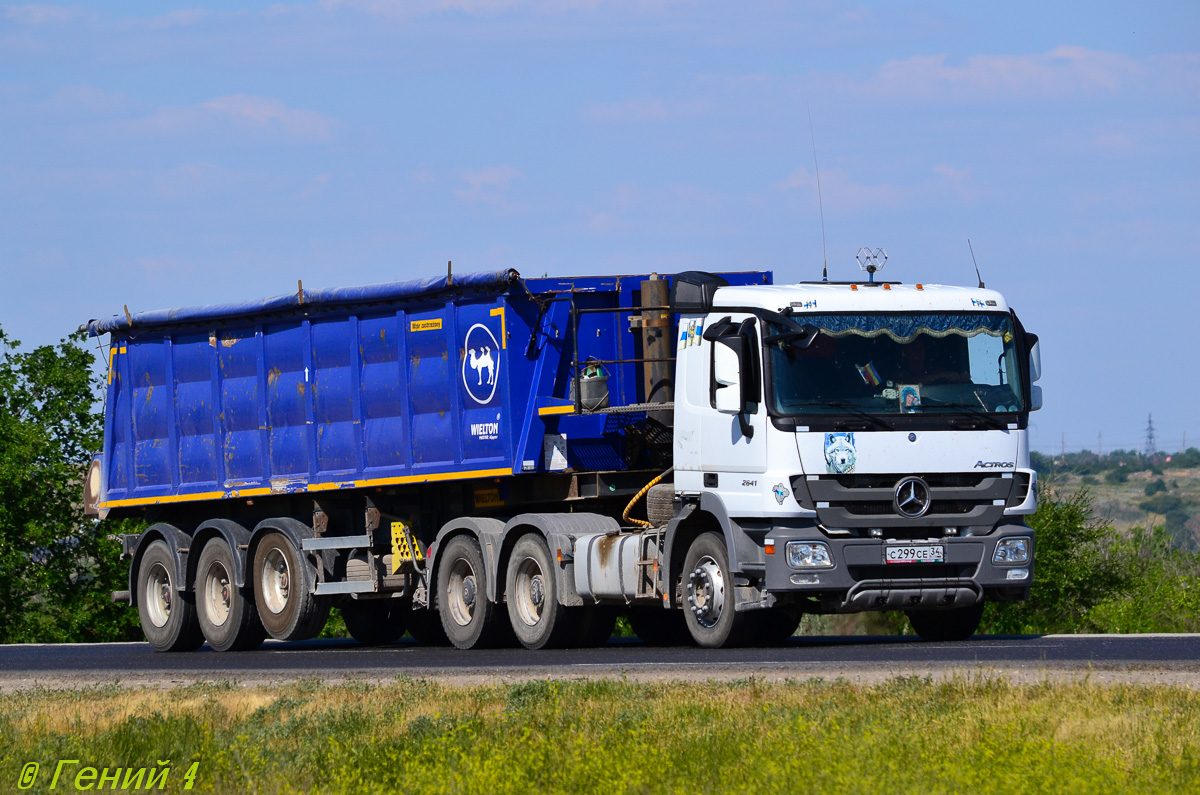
[[1017, 574], [805, 579], [808, 555], [1012, 550]]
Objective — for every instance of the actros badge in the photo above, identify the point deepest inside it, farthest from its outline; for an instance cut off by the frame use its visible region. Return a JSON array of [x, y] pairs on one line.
[[480, 364]]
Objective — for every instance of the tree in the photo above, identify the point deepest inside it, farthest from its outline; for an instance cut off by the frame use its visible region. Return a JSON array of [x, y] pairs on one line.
[[57, 566]]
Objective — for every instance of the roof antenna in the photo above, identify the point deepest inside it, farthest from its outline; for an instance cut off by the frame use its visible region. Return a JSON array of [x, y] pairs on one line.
[[820, 203], [977, 276]]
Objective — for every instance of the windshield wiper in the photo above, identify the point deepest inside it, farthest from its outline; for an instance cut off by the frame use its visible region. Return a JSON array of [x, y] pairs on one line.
[[970, 411], [855, 411]]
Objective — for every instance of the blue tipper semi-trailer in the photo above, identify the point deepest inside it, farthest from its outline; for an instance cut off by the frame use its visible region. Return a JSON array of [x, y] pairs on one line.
[[484, 456]]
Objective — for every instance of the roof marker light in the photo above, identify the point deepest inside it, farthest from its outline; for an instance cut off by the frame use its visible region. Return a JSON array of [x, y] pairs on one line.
[[920, 287], [854, 287]]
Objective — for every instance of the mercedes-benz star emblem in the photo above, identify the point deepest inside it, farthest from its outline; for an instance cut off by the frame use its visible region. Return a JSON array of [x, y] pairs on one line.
[[912, 498]]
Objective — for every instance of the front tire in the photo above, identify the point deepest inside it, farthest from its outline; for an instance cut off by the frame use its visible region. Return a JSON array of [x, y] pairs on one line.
[[468, 618], [168, 615], [958, 623], [537, 619], [227, 614], [283, 590], [708, 583]]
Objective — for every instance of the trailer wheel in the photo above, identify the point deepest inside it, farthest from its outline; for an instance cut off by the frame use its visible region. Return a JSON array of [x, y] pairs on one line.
[[283, 585], [659, 627], [168, 616], [537, 618], [959, 623], [468, 618], [374, 622], [710, 614], [227, 614]]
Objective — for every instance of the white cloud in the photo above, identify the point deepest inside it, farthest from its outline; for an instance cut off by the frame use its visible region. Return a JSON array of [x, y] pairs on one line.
[[630, 111], [244, 114], [487, 185], [178, 18], [42, 14], [839, 190], [1064, 71]]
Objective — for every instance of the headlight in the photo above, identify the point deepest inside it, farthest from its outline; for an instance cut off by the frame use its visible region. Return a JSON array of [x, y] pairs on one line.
[[1011, 551], [808, 555]]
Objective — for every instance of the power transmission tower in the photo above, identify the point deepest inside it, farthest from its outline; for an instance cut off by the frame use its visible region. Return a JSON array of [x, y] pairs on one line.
[[1150, 446]]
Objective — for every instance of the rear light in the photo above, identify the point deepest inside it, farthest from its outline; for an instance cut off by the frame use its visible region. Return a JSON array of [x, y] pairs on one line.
[[91, 489]]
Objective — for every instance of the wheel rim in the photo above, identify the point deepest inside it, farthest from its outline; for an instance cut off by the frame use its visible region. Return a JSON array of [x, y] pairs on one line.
[[706, 591], [157, 595], [529, 592], [275, 580], [218, 594], [461, 592]]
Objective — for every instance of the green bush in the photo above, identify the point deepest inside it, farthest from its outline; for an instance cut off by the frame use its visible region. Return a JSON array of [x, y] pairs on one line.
[[1154, 487], [1078, 564], [1115, 476], [1087, 577]]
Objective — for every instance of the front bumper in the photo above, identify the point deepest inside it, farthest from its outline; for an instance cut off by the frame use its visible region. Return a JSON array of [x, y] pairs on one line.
[[859, 579]]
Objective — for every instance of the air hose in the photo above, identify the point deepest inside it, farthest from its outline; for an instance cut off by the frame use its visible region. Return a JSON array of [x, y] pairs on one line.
[[638, 496]]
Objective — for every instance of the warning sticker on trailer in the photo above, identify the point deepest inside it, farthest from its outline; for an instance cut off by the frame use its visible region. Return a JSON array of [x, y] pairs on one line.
[[425, 325]]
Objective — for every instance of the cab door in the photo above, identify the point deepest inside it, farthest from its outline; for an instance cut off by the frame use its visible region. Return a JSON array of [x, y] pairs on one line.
[[733, 427]]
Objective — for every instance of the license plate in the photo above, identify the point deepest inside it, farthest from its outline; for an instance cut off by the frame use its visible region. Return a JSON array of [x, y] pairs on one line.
[[915, 553]]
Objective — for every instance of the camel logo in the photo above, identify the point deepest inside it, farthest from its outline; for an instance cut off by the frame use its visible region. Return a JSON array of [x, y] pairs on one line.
[[840, 455], [480, 363]]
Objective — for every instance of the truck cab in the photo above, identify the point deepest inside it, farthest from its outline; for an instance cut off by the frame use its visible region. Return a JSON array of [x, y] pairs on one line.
[[861, 446]]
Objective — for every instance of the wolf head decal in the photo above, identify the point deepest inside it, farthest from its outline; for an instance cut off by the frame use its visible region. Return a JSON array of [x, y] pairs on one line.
[[840, 455]]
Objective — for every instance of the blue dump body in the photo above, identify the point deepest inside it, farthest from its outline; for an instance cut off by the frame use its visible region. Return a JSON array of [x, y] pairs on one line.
[[359, 387]]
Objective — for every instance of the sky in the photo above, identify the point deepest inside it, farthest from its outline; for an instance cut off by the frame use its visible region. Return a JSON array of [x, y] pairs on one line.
[[158, 154]]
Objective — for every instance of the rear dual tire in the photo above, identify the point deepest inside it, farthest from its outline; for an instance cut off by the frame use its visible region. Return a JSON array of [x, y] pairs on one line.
[[284, 581], [168, 615], [227, 614], [469, 620]]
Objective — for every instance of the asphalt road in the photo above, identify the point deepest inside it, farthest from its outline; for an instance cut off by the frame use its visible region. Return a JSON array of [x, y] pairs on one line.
[[1145, 656]]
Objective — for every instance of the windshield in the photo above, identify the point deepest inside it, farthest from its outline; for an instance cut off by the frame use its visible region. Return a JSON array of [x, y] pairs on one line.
[[898, 364]]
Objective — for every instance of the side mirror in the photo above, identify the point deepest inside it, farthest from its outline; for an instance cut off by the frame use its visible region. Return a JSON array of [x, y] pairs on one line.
[[735, 370], [1035, 398], [1035, 358], [727, 378]]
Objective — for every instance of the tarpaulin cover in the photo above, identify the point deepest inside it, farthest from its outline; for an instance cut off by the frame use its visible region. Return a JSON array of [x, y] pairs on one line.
[[317, 299]]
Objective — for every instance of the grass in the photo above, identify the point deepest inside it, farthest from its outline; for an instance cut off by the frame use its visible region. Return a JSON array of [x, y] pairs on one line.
[[909, 734]]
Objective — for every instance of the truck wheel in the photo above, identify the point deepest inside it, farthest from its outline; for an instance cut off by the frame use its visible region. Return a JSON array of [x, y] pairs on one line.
[[283, 590], [595, 627], [168, 616], [468, 618], [778, 624], [374, 622], [708, 584], [226, 612], [537, 619], [659, 627], [959, 623]]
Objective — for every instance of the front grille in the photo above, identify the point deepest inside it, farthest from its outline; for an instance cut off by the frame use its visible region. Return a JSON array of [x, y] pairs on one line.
[[937, 480], [958, 499]]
